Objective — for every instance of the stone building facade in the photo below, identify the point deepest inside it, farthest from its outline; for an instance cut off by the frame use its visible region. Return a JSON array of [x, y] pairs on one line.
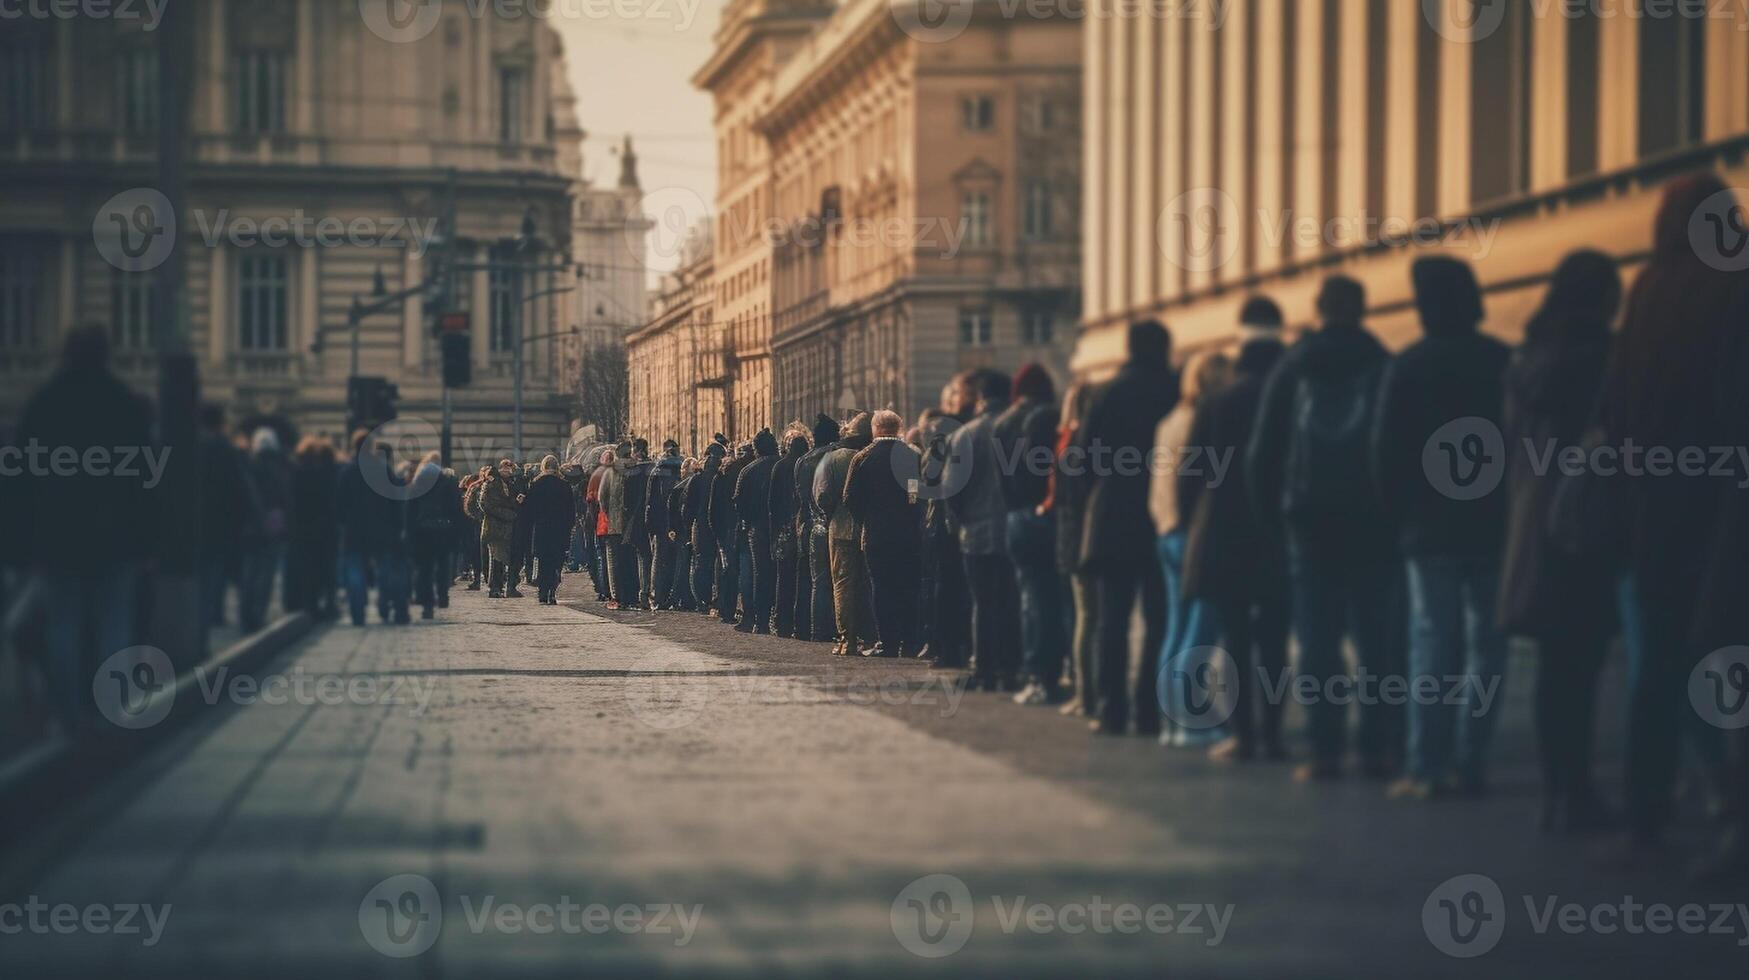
[[675, 366]]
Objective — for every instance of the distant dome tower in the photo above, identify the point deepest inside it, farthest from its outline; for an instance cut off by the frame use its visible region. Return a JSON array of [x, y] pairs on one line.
[[628, 166]]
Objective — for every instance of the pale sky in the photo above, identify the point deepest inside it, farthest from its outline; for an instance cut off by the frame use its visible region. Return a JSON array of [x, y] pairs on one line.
[[631, 75]]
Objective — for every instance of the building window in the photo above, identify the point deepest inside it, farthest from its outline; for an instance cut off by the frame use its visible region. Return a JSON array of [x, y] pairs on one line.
[[503, 301], [1037, 210], [262, 304], [975, 217], [130, 311], [975, 328], [21, 292], [137, 89], [512, 94], [1043, 114], [978, 113], [25, 83], [1038, 328], [261, 91]]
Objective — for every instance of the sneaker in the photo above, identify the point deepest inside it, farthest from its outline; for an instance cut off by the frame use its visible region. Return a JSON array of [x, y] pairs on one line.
[[1032, 695]]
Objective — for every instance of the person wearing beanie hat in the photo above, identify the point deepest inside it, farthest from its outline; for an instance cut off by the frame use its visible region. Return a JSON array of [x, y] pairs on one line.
[[852, 605], [1451, 526], [814, 619], [1229, 560]]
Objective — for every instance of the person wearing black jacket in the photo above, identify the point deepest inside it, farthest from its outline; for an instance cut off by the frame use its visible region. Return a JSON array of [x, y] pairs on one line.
[[552, 511], [1309, 482], [695, 521], [726, 526], [1546, 592], [781, 510], [636, 538], [310, 563], [814, 589], [1445, 395], [369, 502], [877, 493], [1025, 434], [752, 490], [664, 552], [680, 595], [435, 511], [1230, 560], [228, 509], [1115, 546]]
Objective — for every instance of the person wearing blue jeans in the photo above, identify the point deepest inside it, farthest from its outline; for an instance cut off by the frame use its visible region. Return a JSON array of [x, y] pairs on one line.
[[1339, 589], [90, 617], [1032, 548], [1190, 623], [1453, 641]]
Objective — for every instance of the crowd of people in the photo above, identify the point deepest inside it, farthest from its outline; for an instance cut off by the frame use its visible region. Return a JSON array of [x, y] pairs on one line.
[[1326, 490]]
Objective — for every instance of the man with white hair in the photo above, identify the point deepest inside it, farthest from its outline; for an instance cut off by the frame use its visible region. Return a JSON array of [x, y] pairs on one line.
[[878, 492]]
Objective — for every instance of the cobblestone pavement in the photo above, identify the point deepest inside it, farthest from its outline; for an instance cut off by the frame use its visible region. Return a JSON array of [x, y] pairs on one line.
[[518, 789]]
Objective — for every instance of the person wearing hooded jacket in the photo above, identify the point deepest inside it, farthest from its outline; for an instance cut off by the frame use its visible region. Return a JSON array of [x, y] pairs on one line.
[[752, 490], [851, 602], [814, 589], [492, 502], [1439, 395], [1309, 481], [781, 518]]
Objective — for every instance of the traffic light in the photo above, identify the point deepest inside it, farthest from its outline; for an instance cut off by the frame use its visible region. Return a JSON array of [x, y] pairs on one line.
[[457, 347]]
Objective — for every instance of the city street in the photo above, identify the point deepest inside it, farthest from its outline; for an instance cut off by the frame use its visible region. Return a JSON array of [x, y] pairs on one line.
[[522, 789]]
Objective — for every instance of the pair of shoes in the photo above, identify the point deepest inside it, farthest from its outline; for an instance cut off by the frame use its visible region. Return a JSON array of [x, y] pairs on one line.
[[512, 593], [838, 648], [1414, 790], [1318, 771], [613, 605], [494, 594], [1073, 706], [1233, 750], [1032, 695]]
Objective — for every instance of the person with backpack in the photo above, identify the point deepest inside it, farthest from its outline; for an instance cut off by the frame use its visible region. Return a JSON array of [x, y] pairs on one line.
[[1309, 476], [1445, 395]]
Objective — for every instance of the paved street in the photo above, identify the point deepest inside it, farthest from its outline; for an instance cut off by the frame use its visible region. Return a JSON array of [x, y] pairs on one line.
[[520, 789]]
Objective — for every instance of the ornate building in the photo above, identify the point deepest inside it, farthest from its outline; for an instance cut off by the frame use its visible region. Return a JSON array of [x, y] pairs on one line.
[[674, 362], [1292, 140], [324, 147], [926, 206]]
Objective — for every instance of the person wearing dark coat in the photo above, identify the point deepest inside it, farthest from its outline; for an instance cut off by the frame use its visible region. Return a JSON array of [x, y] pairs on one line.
[[1065, 500], [726, 525], [1547, 593], [1668, 388], [781, 518], [1025, 434], [1309, 480], [814, 589], [228, 511], [370, 502], [752, 490], [878, 491], [311, 563], [1116, 549], [1230, 559], [695, 520], [1445, 393], [88, 533], [664, 552], [972, 478], [680, 598], [269, 472], [636, 539], [552, 513], [434, 513]]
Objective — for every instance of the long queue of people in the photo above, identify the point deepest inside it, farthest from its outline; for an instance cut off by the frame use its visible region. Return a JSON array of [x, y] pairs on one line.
[[1329, 491]]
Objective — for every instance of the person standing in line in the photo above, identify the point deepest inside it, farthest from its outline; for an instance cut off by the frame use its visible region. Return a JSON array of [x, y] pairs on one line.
[[270, 474], [596, 519], [314, 542], [851, 602], [435, 509], [680, 594], [1547, 593], [1311, 487], [1180, 480], [1116, 433], [726, 525], [664, 474], [949, 600], [1454, 376], [494, 505], [972, 480], [1065, 501], [695, 519], [1025, 433], [780, 511], [814, 620], [752, 492], [621, 565], [552, 512], [636, 539], [878, 492]]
